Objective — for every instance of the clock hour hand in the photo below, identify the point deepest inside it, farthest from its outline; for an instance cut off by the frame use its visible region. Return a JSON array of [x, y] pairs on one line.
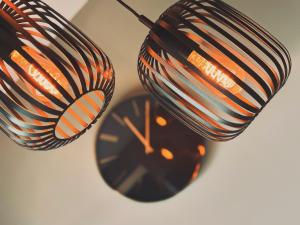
[[135, 131]]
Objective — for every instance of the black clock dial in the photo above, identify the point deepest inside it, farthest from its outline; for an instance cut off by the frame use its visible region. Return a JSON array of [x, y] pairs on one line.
[[146, 154]]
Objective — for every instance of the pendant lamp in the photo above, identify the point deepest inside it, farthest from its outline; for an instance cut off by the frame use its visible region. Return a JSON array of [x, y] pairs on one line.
[[54, 82], [211, 66]]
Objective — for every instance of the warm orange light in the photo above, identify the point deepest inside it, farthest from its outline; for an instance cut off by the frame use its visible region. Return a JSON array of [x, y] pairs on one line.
[[202, 150], [108, 74], [161, 121], [37, 76], [215, 74], [196, 172], [167, 154]]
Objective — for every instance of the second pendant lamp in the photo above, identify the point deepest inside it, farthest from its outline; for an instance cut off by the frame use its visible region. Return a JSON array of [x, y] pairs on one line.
[[211, 66]]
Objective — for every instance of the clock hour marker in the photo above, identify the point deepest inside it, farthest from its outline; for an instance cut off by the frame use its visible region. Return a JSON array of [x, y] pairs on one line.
[[196, 172], [167, 154], [108, 160], [118, 119], [161, 121], [109, 138], [134, 177], [136, 108], [202, 150]]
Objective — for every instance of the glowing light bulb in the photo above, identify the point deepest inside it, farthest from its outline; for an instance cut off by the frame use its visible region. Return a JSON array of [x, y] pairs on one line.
[[215, 74], [37, 76]]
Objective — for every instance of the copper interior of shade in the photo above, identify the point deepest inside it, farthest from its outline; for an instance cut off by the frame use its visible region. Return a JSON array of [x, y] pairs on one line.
[[80, 115]]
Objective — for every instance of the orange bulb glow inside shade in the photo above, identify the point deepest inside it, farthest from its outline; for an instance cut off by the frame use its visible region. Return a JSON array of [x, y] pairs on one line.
[[161, 121], [167, 154], [215, 74], [37, 76]]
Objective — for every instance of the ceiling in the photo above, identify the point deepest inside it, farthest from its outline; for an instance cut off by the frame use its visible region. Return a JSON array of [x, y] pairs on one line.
[[254, 179]]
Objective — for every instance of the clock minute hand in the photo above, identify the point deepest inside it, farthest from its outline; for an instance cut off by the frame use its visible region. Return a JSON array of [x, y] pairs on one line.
[[137, 133], [147, 127]]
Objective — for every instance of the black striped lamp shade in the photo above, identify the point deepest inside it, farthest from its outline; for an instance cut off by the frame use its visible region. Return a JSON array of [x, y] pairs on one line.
[[54, 82], [213, 67]]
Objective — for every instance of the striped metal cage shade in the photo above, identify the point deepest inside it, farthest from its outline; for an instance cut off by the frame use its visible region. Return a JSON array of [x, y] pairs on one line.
[[212, 66], [54, 82]]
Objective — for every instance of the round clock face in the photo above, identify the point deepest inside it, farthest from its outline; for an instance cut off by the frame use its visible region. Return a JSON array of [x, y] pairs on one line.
[[146, 154]]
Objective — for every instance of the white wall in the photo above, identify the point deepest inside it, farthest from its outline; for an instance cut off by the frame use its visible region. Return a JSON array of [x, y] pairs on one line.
[[254, 179], [68, 8]]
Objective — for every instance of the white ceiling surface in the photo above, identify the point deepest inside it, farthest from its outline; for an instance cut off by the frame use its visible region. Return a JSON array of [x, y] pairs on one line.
[[254, 179]]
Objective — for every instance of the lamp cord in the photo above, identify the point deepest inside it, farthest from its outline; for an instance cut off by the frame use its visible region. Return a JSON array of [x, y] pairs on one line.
[[129, 8], [141, 18]]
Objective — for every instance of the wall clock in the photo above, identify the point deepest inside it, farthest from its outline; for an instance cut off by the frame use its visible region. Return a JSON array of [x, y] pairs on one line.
[[145, 154]]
